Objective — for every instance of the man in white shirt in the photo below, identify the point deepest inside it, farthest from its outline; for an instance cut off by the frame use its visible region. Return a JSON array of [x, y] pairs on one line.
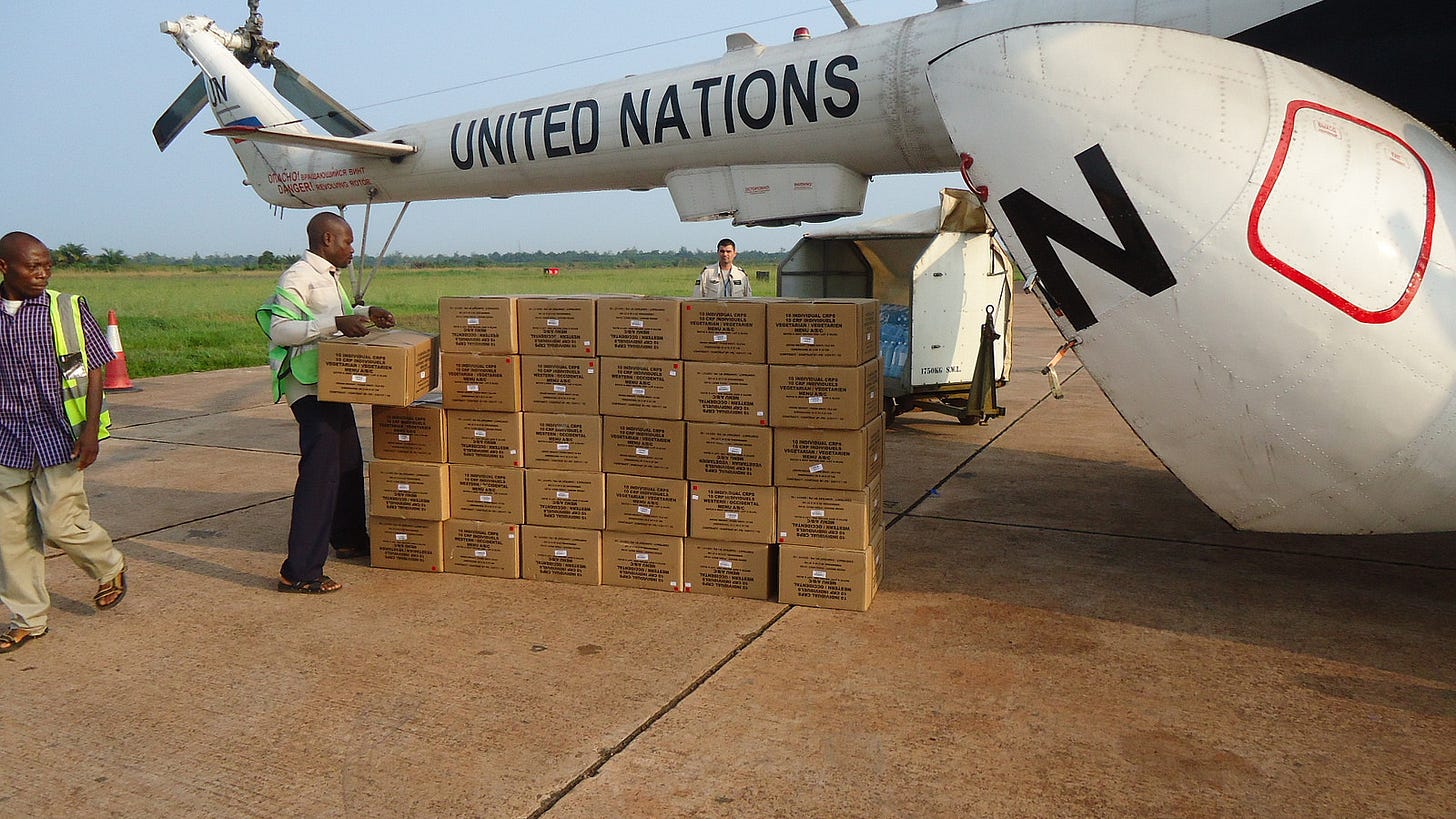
[[310, 304], [723, 280]]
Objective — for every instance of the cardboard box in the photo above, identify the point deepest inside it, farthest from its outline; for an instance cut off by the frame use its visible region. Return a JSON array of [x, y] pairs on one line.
[[484, 438], [644, 446], [728, 453], [483, 549], [563, 441], [642, 387], [485, 383], [730, 569], [730, 331], [484, 325], [725, 511], [816, 397], [831, 332], [829, 458], [553, 383], [638, 326], [409, 489], [412, 433], [642, 561], [657, 506], [844, 579], [832, 518], [390, 367], [555, 497], [556, 325], [726, 393], [561, 555], [488, 493], [406, 543]]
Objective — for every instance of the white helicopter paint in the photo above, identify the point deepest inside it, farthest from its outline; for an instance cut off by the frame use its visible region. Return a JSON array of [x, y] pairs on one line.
[[1320, 404], [1296, 364]]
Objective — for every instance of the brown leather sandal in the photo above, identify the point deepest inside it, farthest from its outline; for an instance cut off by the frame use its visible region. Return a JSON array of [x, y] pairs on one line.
[[108, 594], [15, 637]]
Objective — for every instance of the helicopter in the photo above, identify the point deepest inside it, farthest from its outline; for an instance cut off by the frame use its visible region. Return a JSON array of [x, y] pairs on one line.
[[1245, 245]]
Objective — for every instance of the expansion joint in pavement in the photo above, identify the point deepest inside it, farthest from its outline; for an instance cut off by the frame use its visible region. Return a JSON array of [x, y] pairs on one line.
[[608, 753], [932, 491]]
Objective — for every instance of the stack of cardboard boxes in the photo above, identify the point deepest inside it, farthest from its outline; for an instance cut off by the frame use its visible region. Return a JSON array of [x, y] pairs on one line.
[[713, 446]]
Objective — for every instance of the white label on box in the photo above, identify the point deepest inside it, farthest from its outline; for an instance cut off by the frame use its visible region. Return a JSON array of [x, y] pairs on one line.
[[553, 322], [558, 388], [402, 487], [643, 451], [482, 553], [472, 388], [642, 556], [730, 515], [358, 379], [724, 388], [563, 447], [401, 536], [725, 564], [816, 468], [423, 374], [511, 536], [563, 495], [404, 437], [644, 510], [759, 413], [735, 450], [638, 391], [816, 513], [635, 323], [820, 574], [487, 499], [560, 552], [472, 321], [590, 370], [816, 399], [480, 433], [693, 496], [806, 339], [720, 336]]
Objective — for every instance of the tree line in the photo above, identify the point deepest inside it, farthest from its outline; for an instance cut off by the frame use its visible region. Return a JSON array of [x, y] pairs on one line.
[[76, 255]]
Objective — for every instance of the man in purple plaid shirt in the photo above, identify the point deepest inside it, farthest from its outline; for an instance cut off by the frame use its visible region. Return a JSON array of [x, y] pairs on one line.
[[52, 361]]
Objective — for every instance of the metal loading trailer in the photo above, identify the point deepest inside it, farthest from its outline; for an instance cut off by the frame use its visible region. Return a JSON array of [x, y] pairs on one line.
[[944, 286]]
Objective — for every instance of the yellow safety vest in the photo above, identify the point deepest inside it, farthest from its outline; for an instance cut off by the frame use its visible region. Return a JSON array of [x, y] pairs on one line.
[[66, 323]]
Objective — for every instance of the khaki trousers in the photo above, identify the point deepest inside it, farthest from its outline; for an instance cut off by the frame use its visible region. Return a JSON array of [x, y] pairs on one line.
[[39, 506]]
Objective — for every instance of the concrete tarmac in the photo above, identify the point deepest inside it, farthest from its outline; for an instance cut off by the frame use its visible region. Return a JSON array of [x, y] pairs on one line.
[[1063, 629]]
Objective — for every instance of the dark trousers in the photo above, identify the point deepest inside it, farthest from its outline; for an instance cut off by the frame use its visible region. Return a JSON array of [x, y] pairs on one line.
[[328, 501]]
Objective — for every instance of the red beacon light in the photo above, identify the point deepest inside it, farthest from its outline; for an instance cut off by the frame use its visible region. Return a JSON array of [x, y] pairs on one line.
[[801, 33]]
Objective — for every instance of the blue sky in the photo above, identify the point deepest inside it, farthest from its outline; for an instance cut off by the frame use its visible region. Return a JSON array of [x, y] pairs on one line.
[[82, 82]]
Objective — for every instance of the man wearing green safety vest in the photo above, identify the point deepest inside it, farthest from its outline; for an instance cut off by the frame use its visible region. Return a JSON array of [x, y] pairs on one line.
[[52, 358], [308, 305]]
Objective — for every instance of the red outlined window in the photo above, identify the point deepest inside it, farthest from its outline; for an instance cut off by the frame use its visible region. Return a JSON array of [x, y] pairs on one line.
[[1308, 281]]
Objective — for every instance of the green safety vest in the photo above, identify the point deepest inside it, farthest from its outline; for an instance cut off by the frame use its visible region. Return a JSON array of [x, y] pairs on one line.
[[300, 362], [66, 323]]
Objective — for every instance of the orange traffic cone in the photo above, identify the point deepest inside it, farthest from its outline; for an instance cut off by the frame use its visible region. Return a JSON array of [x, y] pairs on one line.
[[117, 377]]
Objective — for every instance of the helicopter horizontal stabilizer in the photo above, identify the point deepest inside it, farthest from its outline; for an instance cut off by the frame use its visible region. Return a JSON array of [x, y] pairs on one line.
[[321, 143]]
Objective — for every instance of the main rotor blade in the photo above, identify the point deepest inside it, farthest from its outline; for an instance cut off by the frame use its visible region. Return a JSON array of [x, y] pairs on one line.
[[180, 112], [315, 104]]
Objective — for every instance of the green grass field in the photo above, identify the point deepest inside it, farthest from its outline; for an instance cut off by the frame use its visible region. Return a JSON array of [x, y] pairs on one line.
[[186, 321]]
